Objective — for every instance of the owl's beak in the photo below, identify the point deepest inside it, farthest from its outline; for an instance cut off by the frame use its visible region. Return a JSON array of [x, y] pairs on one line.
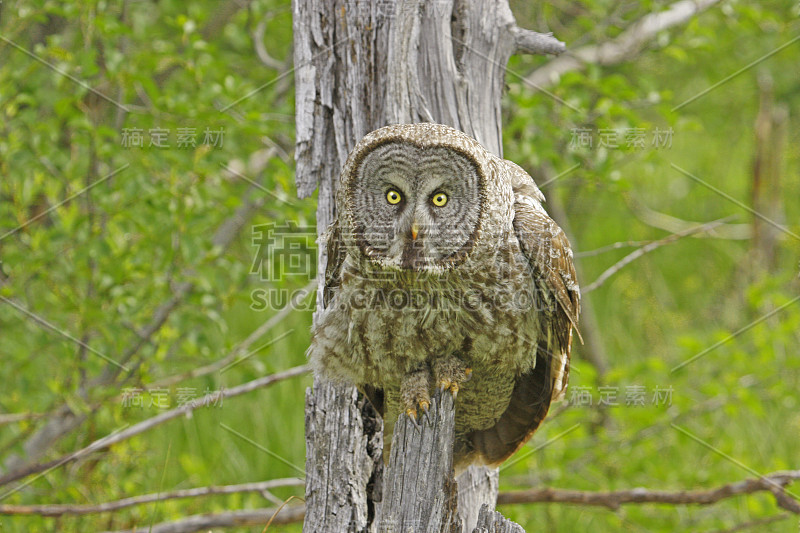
[[414, 230]]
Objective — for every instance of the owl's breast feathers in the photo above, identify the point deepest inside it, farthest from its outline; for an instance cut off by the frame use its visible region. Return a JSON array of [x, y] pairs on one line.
[[380, 325]]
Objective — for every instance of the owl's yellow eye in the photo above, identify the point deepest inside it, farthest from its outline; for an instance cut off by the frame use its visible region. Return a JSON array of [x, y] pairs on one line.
[[439, 199], [393, 197]]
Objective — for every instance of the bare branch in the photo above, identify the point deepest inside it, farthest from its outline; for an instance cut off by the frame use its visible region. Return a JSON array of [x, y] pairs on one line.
[[252, 517], [773, 483], [261, 50], [70, 509], [621, 48], [241, 348], [531, 42], [150, 423], [10, 418], [619, 265], [672, 224], [613, 246]]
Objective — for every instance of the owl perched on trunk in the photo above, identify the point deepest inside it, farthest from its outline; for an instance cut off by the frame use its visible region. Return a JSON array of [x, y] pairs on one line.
[[445, 271]]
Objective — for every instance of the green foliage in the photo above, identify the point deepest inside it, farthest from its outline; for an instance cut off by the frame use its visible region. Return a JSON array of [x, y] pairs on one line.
[[98, 265], [678, 301], [78, 79]]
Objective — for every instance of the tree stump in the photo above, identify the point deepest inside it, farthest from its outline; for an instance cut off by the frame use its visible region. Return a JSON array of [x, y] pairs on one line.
[[419, 488], [493, 522]]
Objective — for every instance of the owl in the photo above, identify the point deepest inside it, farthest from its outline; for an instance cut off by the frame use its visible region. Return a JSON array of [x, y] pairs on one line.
[[445, 272]]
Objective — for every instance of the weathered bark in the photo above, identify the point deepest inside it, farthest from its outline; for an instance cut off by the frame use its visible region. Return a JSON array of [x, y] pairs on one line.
[[419, 488], [493, 522], [344, 448], [360, 65], [474, 486]]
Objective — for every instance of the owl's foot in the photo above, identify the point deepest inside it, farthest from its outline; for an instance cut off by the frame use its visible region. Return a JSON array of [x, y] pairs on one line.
[[414, 392], [450, 372]]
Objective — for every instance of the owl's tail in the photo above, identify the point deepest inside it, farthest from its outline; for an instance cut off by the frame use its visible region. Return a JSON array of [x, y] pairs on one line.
[[528, 407]]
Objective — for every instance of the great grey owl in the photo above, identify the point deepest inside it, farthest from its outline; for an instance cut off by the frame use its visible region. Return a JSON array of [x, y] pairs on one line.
[[445, 271]]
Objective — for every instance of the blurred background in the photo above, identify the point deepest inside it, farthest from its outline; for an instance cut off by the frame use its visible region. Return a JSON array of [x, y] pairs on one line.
[[146, 171]]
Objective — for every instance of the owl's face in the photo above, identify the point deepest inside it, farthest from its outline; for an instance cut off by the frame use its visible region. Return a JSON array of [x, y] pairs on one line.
[[413, 207]]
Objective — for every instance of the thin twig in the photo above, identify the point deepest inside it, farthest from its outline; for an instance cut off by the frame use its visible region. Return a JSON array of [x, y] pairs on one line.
[[531, 42], [612, 246], [619, 265], [614, 499], [10, 418], [281, 506], [261, 50], [252, 517], [145, 425], [83, 509], [241, 348], [673, 224], [622, 47]]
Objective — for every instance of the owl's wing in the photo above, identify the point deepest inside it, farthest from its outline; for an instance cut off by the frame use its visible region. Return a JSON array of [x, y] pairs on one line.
[[547, 250], [336, 253]]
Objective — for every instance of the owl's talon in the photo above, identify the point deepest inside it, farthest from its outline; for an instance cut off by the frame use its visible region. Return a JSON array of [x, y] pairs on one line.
[[415, 393], [426, 415], [412, 415], [450, 373]]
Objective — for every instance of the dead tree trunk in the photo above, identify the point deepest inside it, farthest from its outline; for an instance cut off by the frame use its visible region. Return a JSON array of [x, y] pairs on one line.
[[418, 491], [360, 65]]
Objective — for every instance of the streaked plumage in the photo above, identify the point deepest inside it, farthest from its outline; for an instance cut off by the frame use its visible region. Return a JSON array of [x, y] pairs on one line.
[[489, 280]]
